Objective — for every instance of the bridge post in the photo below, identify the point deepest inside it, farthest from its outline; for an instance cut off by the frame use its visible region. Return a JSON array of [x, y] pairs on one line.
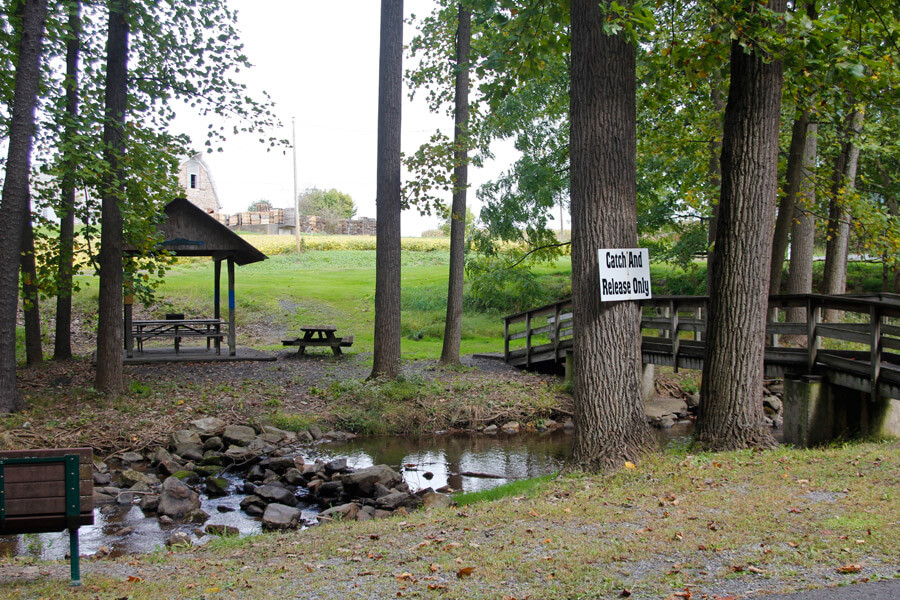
[[813, 315], [808, 415], [817, 412]]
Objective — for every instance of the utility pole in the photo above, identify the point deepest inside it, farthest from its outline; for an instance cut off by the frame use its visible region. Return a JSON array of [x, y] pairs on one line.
[[296, 197]]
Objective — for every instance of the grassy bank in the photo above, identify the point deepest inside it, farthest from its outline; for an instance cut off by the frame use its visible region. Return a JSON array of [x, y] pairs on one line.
[[731, 524]]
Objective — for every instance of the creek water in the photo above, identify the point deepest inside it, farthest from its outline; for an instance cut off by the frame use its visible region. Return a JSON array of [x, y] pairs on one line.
[[427, 461]]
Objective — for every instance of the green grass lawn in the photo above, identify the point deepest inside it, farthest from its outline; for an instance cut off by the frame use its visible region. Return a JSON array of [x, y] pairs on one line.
[[336, 287]]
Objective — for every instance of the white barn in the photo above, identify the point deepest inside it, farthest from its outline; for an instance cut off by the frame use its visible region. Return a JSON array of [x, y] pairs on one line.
[[196, 179]]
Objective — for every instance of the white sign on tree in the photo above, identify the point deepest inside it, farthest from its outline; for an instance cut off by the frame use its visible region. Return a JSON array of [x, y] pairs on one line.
[[624, 274]]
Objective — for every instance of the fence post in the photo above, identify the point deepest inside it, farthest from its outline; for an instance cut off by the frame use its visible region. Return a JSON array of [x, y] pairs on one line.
[[812, 340], [528, 340], [556, 331], [875, 348], [673, 331], [506, 339]]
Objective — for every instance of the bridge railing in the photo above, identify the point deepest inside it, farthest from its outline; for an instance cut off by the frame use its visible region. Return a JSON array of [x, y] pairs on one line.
[[863, 345]]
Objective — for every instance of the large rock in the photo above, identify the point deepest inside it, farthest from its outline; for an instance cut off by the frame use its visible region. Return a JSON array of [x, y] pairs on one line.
[[101, 479], [772, 404], [338, 465], [209, 426], [192, 452], [662, 407], [279, 464], [213, 443], [294, 477], [239, 435], [149, 502], [330, 490], [395, 500], [216, 486], [344, 512], [511, 427], [176, 499], [132, 457], [129, 477], [362, 482], [287, 436], [276, 494], [280, 516], [433, 500], [185, 436], [240, 454]]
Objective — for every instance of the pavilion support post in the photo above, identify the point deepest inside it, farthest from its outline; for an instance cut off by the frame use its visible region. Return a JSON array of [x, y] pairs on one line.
[[217, 298], [232, 346]]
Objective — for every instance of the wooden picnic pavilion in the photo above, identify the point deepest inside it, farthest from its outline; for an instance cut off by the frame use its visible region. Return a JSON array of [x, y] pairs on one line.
[[189, 231]]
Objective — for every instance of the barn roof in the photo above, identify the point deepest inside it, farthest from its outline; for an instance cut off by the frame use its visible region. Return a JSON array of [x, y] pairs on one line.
[[189, 231]]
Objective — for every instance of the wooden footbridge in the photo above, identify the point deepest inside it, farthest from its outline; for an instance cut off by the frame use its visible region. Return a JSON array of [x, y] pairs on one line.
[[860, 351]]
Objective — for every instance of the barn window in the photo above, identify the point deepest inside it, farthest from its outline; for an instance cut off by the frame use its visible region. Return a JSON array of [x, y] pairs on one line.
[[193, 181]]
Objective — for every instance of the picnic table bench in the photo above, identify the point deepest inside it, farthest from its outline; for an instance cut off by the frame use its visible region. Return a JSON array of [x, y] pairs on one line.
[[47, 490], [144, 330], [319, 335]]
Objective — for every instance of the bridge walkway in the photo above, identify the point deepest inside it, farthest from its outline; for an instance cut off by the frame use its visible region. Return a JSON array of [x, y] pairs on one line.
[[860, 351]]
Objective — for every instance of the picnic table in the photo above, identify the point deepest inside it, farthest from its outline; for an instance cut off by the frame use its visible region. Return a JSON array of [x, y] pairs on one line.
[[143, 330], [319, 335]]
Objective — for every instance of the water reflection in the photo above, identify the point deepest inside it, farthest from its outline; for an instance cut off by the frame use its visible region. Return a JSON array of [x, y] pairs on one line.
[[429, 461]]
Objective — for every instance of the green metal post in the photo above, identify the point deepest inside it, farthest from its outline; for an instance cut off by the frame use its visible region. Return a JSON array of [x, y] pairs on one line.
[[73, 557]]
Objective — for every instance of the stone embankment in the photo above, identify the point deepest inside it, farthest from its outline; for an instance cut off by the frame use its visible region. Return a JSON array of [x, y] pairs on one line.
[[665, 411], [265, 465]]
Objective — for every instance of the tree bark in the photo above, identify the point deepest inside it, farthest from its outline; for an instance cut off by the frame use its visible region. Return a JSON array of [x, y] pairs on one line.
[[610, 425], [838, 228], [62, 347], [109, 323], [386, 360], [453, 323], [34, 353], [785, 218], [14, 202], [731, 411], [891, 278], [800, 272], [714, 169]]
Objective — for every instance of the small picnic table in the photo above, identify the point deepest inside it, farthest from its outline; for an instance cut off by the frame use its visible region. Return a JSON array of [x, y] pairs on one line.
[[319, 335]]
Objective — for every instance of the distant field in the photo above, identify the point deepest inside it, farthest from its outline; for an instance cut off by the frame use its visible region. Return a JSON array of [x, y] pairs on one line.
[[333, 282]]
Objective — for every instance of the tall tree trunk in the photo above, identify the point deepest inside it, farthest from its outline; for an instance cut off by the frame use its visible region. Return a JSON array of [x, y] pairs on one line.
[[386, 360], [610, 425], [731, 412], [453, 323], [838, 230], [62, 349], [803, 232], [788, 198], [714, 169], [109, 322], [891, 278], [14, 202], [34, 353]]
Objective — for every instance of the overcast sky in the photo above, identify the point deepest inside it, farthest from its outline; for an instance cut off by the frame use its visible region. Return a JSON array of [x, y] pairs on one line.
[[319, 62]]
